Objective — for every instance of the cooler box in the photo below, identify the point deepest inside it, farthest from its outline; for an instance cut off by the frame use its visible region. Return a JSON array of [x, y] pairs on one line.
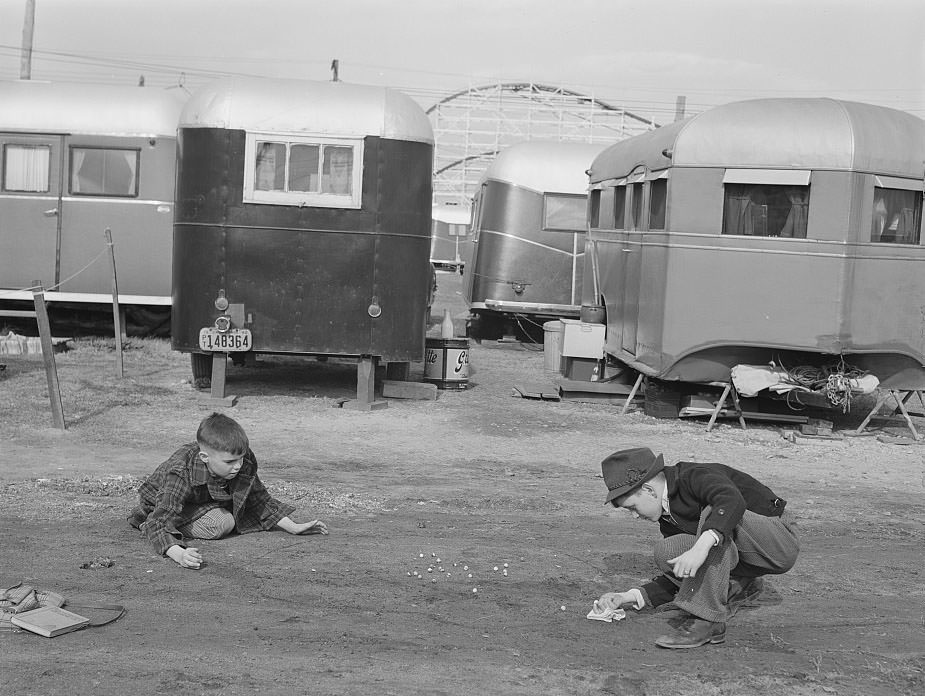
[[582, 340]]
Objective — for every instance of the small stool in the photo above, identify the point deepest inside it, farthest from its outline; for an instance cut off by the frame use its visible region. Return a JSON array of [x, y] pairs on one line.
[[728, 389], [901, 396]]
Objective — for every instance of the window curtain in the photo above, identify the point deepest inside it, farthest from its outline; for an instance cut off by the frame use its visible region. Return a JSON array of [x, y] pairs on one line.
[[738, 219], [795, 226], [895, 217], [27, 169]]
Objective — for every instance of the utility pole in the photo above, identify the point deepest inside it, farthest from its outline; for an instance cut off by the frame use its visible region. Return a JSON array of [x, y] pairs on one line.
[[679, 105], [25, 61]]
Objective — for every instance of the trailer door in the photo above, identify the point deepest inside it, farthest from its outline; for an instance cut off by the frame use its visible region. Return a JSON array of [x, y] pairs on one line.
[[30, 201], [632, 268]]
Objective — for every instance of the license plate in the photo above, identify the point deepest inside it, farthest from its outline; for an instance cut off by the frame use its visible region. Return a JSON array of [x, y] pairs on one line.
[[225, 342]]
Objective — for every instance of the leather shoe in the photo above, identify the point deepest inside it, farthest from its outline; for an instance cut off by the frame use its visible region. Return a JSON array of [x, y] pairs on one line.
[[741, 592], [692, 633]]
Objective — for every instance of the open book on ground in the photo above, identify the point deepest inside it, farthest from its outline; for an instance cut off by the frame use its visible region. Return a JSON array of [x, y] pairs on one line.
[[49, 621]]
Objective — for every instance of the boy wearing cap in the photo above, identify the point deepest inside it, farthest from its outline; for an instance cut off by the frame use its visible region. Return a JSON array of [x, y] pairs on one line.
[[722, 530]]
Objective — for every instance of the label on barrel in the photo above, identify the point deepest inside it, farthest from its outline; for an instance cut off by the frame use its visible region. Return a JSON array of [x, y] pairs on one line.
[[446, 365]]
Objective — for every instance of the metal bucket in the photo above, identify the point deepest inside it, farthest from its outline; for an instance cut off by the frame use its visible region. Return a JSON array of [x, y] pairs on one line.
[[552, 345], [446, 362]]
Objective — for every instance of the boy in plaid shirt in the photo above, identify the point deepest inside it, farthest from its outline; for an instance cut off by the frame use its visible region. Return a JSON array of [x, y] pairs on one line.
[[206, 490]]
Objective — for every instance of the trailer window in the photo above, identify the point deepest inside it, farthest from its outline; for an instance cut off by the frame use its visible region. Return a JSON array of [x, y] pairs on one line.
[[619, 207], [897, 216], [765, 210], [562, 212], [658, 196], [637, 207], [303, 171], [97, 171], [594, 209], [26, 168], [603, 213]]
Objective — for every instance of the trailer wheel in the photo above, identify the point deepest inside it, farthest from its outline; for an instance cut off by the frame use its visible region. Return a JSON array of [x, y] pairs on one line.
[[201, 365], [662, 399]]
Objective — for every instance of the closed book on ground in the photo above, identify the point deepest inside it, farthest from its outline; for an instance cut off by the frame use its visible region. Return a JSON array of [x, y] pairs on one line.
[[49, 621]]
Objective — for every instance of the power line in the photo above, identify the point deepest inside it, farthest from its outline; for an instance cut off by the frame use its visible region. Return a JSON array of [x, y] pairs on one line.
[[71, 66]]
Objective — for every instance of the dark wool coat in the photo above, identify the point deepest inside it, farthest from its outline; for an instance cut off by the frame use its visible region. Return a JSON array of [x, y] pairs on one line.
[[181, 490], [694, 486]]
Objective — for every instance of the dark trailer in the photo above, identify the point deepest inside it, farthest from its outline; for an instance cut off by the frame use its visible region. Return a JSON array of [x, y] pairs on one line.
[[303, 224], [529, 235]]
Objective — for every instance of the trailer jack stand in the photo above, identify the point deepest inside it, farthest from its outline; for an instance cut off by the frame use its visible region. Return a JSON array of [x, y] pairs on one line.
[[217, 395], [366, 386]]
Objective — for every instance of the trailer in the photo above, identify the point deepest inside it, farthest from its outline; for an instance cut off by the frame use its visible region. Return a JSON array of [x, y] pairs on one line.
[[302, 225], [769, 231], [77, 159], [529, 234]]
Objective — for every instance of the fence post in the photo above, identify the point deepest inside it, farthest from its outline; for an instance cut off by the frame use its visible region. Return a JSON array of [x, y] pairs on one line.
[[48, 354], [116, 314]]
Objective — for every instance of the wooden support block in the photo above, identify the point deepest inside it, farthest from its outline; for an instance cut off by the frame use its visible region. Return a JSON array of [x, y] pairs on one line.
[[225, 401], [357, 405], [409, 390], [366, 386], [366, 378], [613, 388], [219, 368]]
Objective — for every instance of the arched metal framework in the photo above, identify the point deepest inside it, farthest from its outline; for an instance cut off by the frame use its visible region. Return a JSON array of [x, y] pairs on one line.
[[472, 125]]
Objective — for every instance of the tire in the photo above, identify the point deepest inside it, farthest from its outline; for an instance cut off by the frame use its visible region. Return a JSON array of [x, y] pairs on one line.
[[201, 365], [662, 399]]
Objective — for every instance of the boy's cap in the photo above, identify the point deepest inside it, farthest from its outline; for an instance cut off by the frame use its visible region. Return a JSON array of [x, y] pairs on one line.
[[628, 469]]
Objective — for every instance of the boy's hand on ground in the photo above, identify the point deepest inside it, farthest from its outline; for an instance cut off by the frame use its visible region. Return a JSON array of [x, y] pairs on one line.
[[313, 527], [186, 558], [616, 600]]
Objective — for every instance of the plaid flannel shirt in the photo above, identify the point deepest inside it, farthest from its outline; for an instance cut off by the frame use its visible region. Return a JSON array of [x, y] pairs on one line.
[[182, 489]]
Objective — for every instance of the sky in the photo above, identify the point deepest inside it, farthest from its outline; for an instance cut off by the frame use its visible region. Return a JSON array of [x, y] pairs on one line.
[[641, 54]]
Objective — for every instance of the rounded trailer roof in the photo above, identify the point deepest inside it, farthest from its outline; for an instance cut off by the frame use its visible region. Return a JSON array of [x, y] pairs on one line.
[[816, 133], [545, 166], [300, 106], [45, 107]]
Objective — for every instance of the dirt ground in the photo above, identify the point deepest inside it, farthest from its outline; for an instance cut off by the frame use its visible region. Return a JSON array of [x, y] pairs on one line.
[[477, 478]]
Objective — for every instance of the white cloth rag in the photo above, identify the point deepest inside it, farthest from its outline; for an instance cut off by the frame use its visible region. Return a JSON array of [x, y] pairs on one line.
[[599, 613]]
